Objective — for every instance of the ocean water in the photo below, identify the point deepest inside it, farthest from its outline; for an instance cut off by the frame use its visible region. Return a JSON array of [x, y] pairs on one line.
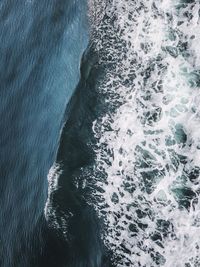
[[148, 145], [120, 121], [137, 132], [40, 50]]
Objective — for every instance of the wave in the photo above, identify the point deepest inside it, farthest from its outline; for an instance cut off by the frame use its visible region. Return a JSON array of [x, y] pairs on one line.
[[130, 147]]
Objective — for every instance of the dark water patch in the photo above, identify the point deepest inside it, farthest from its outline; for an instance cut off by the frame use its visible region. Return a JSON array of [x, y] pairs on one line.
[[76, 183], [185, 197]]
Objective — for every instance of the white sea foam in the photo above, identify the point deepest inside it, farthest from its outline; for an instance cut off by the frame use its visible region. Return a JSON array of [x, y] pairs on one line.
[[53, 177], [150, 155]]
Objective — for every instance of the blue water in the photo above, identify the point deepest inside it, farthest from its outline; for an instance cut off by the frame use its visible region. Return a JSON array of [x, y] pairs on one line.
[[40, 50], [99, 133]]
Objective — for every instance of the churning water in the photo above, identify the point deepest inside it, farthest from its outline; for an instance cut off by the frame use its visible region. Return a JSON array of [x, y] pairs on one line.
[[148, 148], [144, 180]]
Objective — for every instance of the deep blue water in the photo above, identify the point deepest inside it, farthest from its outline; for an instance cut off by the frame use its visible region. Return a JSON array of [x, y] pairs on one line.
[[40, 51]]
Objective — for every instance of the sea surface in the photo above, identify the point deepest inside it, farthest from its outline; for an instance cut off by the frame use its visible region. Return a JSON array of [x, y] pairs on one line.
[[139, 129], [106, 105], [41, 45]]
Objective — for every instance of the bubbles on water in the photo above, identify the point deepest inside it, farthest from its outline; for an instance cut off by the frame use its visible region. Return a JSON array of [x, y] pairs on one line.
[[149, 155]]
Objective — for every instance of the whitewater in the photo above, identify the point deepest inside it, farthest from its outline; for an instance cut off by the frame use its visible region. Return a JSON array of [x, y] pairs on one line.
[[148, 149]]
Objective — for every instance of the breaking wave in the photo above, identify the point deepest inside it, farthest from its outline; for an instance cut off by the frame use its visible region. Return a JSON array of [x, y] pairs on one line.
[[148, 144]]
